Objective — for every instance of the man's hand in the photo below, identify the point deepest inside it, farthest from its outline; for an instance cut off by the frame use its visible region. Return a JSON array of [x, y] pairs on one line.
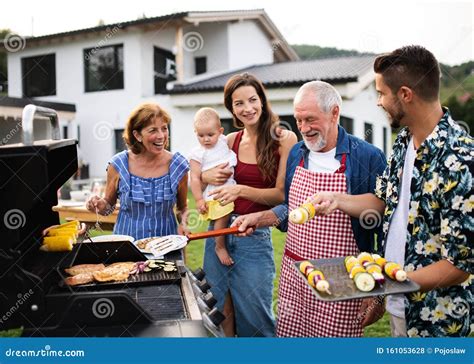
[[325, 203], [371, 310]]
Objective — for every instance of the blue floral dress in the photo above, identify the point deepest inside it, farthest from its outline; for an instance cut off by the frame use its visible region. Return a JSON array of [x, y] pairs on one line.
[[440, 224], [146, 204]]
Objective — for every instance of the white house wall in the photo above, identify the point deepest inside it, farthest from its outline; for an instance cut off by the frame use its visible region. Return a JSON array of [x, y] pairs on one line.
[[362, 108], [98, 113], [211, 42], [182, 129], [249, 45]]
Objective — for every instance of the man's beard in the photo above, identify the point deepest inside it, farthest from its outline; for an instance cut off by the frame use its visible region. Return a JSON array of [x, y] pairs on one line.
[[317, 145], [395, 117]]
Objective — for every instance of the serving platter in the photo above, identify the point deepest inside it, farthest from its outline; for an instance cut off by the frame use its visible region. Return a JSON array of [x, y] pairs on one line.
[[342, 287]]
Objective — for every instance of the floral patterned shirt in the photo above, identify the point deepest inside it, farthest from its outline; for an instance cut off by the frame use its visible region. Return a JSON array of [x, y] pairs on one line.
[[440, 224]]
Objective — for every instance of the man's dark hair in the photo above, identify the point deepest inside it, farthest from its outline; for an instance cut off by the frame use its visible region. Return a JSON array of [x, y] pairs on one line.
[[411, 66]]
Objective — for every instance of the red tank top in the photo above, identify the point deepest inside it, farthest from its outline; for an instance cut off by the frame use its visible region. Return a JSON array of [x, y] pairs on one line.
[[249, 175]]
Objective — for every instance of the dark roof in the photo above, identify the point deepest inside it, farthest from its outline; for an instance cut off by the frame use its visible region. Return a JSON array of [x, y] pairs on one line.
[[108, 27], [287, 74], [19, 102], [141, 21]]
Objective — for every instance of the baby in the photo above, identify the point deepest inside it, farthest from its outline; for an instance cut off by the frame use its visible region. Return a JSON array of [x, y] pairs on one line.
[[212, 152]]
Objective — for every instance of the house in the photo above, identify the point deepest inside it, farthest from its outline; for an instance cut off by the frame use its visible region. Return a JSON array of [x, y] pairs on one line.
[[353, 77], [180, 61]]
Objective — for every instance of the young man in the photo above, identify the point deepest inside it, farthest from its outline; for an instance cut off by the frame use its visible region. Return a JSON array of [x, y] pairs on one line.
[[426, 194]]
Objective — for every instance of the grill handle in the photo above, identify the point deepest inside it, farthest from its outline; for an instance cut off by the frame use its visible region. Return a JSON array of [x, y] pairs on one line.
[[213, 233], [28, 117]]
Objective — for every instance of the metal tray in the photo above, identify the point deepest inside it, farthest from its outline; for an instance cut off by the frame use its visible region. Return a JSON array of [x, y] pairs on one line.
[[343, 288]]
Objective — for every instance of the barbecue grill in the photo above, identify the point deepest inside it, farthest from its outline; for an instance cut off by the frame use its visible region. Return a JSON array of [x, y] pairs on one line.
[[33, 294]]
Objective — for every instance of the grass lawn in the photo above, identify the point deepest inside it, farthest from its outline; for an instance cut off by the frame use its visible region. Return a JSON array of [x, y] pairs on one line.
[[194, 257]]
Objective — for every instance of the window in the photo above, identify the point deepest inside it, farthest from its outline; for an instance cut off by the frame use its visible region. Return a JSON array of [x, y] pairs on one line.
[[347, 124], [287, 122], [165, 69], [39, 75], [119, 142], [368, 137], [228, 125], [65, 132], [103, 68], [200, 65], [385, 140]]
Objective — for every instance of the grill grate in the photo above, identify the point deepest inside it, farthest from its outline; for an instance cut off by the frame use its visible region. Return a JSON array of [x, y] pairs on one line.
[[160, 302], [153, 277]]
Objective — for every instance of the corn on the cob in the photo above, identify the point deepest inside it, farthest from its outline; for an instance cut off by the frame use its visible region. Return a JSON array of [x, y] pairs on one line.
[[57, 243]]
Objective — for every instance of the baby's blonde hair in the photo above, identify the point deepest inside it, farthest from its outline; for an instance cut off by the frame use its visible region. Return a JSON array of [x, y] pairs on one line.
[[205, 115]]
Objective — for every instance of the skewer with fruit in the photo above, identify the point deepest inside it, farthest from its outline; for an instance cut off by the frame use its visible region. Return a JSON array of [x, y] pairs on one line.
[[363, 280], [315, 277], [366, 270], [302, 214], [395, 271], [392, 270]]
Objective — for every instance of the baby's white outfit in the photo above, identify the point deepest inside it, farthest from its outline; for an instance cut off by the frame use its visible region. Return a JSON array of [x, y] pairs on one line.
[[212, 157]]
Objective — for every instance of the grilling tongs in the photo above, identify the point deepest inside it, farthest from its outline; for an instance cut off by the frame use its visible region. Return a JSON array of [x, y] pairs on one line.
[[165, 244]]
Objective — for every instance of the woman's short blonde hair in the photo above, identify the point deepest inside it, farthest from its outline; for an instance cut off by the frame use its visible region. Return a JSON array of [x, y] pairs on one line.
[[142, 116]]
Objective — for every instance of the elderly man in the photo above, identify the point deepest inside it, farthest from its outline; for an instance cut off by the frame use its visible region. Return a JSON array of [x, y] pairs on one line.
[[328, 159], [427, 195]]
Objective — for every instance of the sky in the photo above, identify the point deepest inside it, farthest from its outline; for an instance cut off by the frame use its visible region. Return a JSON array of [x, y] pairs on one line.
[[444, 27]]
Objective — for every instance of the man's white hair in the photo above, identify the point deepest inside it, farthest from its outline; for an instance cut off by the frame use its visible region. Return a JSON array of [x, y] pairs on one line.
[[326, 95]]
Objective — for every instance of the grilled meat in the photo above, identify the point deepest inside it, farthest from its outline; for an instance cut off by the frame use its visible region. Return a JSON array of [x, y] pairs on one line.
[[112, 274], [81, 278], [84, 268]]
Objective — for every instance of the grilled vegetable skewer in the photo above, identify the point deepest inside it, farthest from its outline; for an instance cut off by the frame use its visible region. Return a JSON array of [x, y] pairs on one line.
[[315, 277], [363, 280], [395, 271], [302, 214]]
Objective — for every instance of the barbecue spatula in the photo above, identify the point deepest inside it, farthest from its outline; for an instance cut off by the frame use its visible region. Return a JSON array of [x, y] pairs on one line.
[[165, 244]]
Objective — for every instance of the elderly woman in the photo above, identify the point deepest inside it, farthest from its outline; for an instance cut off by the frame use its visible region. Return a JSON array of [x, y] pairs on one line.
[[147, 178]]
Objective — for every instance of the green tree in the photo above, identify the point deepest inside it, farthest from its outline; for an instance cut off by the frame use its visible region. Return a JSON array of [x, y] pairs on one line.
[[307, 51], [462, 111]]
